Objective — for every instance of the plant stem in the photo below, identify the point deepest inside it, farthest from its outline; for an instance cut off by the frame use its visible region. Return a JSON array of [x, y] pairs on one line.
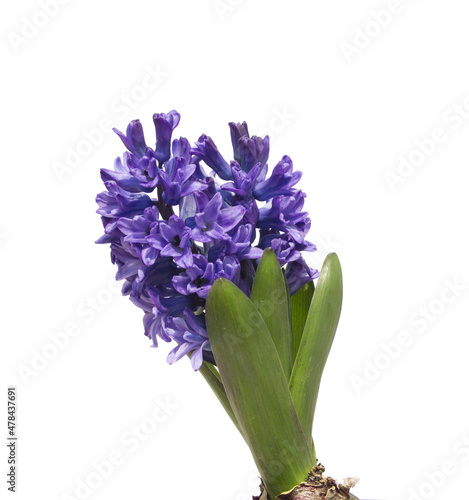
[[212, 377]]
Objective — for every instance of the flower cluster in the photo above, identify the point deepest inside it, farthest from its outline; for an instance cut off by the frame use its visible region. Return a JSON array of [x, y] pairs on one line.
[[174, 229]]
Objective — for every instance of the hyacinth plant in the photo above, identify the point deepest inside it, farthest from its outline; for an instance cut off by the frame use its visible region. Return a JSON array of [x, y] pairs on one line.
[[211, 250]]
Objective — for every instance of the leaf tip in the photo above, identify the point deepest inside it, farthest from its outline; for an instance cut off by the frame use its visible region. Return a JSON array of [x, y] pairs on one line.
[[332, 259]]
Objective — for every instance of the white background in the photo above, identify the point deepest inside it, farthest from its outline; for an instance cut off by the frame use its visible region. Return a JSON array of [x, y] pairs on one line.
[[352, 106]]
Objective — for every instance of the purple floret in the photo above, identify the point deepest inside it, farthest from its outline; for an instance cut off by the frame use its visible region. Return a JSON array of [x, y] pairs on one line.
[[174, 229]]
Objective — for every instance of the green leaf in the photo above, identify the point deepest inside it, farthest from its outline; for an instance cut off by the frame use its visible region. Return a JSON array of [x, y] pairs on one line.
[[315, 345], [290, 325], [300, 303], [270, 296], [256, 387], [212, 377]]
